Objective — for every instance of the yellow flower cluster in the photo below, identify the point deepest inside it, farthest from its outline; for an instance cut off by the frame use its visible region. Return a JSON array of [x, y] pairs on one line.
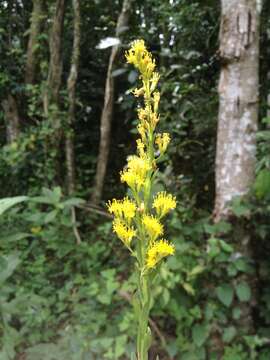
[[141, 59], [124, 232], [163, 203], [162, 141], [152, 226], [158, 251], [135, 173], [135, 218], [124, 209]]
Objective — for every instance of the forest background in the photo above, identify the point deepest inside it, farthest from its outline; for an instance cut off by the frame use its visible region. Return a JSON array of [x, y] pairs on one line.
[[68, 122]]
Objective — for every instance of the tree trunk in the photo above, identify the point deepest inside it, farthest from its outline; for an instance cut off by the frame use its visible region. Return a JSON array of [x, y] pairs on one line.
[[71, 85], [238, 106], [9, 103], [107, 112], [236, 138], [32, 60], [12, 118], [51, 95]]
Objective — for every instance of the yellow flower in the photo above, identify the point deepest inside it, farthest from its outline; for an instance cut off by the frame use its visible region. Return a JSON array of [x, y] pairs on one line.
[[124, 232], [125, 208], [143, 113], [140, 148], [141, 58], [130, 178], [163, 203], [138, 92], [162, 141], [158, 251], [153, 227], [136, 172], [154, 80], [35, 230], [139, 165], [148, 117], [136, 51], [156, 100], [142, 131]]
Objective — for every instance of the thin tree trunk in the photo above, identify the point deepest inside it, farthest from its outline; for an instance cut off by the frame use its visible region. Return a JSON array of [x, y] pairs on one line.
[[71, 85], [37, 19], [9, 104], [51, 94], [107, 112], [237, 126], [12, 118], [238, 107]]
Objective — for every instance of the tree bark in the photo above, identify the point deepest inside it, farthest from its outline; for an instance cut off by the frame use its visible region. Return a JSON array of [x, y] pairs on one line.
[[37, 19], [107, 111], [9, 103], [236, 138], [51, 94], [12, 118], [238, 106], [71, 86]]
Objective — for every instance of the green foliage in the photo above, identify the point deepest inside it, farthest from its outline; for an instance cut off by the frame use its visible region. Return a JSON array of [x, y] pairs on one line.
[[60, 300]]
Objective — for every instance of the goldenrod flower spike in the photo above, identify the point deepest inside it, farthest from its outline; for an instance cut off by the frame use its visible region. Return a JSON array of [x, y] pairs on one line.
[[137, 221], [162, 141], [158, 251], [125, 233], [152, 226], [163, 203], [124, 209]]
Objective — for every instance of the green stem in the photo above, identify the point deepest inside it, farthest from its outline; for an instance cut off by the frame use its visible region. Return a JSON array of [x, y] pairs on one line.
[[143, 337]]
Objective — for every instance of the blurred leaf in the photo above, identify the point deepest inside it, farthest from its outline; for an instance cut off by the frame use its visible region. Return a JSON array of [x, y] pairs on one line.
[[12, 261], [243, 291], [119, 72], [108, 42], [229, 334], [7, 203], [225, 294], [200, 333], [262, 184]]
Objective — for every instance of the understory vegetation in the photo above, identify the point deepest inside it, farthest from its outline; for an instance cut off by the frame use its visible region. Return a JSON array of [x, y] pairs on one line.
[[66, 281]]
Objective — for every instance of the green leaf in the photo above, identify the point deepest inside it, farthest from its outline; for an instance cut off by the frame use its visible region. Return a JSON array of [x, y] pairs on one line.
[[196, 271], [120, 344], [200, 333], [50, 216], [213, 248], [7, 203], [223, 227], [229, 334], [262, 184], [236, 313], [225, 294], [73, 202], [225, 246], [147, 339], [52, 196], [243, 291], [12, 262], [3, 264], [15, 237], [240, 209], [189, 289]]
